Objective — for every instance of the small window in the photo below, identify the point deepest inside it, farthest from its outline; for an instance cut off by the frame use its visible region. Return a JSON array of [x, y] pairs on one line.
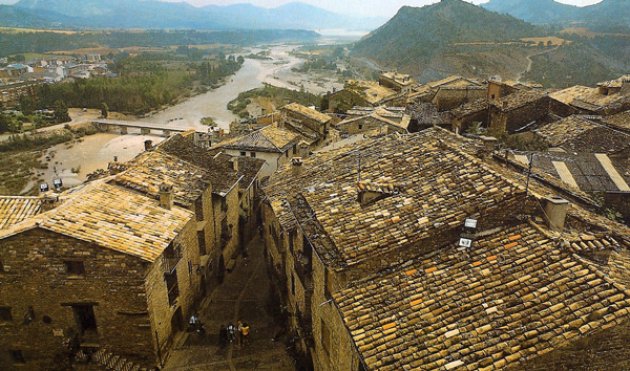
[[295, 149], [74, 267], [243, 154], [17, 356], [5, 314], [252, 154], [201, 240], [325, 337], [1, 267], [292, 284], [286, 153], [360, 126], [190, 270]]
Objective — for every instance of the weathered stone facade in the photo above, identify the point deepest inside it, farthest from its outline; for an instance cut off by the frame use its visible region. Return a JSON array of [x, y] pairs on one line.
[[128, 298]]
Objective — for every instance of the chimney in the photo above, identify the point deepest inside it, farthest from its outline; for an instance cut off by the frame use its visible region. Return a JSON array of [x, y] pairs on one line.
[[556, 209], [297, 165], [49, 201], [166, 196], [148, 145], [234, 162]]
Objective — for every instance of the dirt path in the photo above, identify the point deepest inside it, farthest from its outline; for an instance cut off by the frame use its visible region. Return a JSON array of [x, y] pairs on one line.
[[530, 61]]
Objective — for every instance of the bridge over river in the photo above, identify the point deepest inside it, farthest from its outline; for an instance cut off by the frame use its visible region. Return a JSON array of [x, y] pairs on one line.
[[145, 128]]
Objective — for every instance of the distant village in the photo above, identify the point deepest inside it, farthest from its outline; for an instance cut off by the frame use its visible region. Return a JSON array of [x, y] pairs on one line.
[[452, 225], [18, 79]]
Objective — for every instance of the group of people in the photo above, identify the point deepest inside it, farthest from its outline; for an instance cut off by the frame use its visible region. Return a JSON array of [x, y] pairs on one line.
[[230, 334]]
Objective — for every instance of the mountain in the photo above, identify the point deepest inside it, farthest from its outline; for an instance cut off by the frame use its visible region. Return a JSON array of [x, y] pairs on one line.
[[534, 11], [606, 12], [456, 37], [416, 35], [151, 14]]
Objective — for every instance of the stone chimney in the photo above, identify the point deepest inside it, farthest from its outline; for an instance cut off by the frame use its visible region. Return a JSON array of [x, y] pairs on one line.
[[166, 196], [148, 145], [297, 165], [49, 201], [556, 209], [234, 162]]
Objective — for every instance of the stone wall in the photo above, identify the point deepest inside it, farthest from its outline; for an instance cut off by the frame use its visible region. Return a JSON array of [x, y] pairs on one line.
[[447, 99], [161, 313], [36, 276], [369, 124], [512, 120]]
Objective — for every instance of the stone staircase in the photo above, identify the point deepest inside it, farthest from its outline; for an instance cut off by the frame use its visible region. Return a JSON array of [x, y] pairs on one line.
[[110, 361]]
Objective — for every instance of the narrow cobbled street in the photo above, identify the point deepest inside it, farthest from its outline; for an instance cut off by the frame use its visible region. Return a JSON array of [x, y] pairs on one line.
[[243, 296]]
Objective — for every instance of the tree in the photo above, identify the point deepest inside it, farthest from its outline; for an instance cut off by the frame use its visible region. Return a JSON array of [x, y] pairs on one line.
[[240, 59], [5, 123], [325, 103], [27, 104], [104, 110], [61, 112]]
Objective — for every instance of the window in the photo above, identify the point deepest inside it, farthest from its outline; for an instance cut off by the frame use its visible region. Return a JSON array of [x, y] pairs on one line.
[[171, 286], [1, 267], [360, 126], [199, 209], [286, 153], [252, 154], [292, 284], [5, 314], [74, 267], [295, 149], [243, 154], [201, 240], [325, 337], [17, 356], [190, 269]]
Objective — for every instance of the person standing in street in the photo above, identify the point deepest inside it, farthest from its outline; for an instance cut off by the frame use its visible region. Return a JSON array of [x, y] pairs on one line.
[[244, 331]]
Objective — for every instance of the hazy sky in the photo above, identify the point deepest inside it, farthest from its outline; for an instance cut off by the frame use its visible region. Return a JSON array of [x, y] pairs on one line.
[[384, 8]]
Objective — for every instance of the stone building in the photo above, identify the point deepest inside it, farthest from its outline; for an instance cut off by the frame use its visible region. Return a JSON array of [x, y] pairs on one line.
[[312, 125], [454, 91], [524, 110], [584, 134], [520, 298], [114, 267], [499, 89], [381, 120], [464, 116], [235, 193], [400, 82], [336, 221], [275, 145], [607, 98], [398, 175], [361, 94]]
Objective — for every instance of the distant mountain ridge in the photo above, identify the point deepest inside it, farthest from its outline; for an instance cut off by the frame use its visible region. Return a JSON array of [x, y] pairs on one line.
[[612, 12], [151, 14], [417, 34]]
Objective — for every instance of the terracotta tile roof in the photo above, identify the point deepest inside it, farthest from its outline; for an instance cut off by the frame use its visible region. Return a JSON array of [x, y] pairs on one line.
[[620, 121], [371, 91], [446, 181], [114, 218], [580, 134], [454, 82], [403, 124], [589, 172], [267, 139], [514, 296], [588, 98], [473, 107], [518, 99], [149, 170], [219, 168], [307, 112], [13, 210]]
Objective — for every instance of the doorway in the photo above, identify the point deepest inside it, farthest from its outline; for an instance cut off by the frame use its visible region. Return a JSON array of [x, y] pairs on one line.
[[85, 318], [177, 321]]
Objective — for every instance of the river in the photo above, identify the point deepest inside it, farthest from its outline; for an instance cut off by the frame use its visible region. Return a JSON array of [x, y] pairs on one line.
[[96, 151], [253, 73]]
